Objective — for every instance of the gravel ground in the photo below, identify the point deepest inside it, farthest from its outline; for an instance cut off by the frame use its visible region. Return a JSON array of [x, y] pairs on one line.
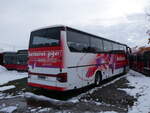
[[106, 97]]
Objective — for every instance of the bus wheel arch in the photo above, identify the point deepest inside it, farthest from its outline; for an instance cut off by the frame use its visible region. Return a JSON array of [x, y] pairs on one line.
[[98, 78]]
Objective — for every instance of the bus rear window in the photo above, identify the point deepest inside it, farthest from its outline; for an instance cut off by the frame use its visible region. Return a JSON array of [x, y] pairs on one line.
[[45, 38]]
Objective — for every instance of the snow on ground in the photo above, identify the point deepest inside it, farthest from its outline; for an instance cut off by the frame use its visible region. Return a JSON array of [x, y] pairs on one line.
[[8, 109], [2, 69], [44, 110], [139, 82], [109, 112], [7, 76], [4, 88], [141, 92]]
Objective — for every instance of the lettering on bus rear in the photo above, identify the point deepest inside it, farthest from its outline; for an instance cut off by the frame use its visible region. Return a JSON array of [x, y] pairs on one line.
[[51, 59]]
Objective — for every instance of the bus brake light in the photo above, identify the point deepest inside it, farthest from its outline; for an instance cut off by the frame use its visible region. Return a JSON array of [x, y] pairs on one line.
[[62, 77]]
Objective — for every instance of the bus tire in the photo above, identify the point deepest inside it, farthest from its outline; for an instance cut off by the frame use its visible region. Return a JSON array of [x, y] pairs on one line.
[[98, 78], [125, 70]]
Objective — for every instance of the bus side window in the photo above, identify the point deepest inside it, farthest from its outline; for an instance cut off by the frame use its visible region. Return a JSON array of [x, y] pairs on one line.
[[108, 46], [124, 48], [105, 46], [72, 46], [96, 45], [77, 42], [115, 46]]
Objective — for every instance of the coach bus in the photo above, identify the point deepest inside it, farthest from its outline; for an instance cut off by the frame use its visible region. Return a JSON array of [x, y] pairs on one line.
[[10, 60], [63, 58], [22, 57]]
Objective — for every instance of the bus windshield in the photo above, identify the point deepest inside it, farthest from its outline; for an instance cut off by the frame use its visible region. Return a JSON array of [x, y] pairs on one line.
[[10, 59], [22, 59], [45, 38]]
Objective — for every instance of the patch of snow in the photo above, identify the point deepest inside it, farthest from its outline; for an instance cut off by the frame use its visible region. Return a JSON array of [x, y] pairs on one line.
[[109, 112], [4, 96], [3, 105], [8, 109], [141, 91], [7, 76], [44, 110], [52, 101], [74, 100], [98, 103], [2, 69], [128, 91], [33, 110], [4, 88]]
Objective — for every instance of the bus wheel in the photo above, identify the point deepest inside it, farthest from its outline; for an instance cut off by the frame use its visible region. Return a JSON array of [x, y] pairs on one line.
[[125, 70], [98, 79]]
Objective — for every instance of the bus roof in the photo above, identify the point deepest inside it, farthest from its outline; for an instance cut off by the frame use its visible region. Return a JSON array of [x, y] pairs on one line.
[[83, 32], [22, 51], [9, 52]]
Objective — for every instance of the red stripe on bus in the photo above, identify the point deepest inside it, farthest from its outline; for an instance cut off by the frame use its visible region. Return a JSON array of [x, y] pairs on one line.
[[10, 66], [22, 67], [46, 87]]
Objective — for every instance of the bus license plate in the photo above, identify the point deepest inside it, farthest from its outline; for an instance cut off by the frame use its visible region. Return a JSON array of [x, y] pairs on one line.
[[42, 77]]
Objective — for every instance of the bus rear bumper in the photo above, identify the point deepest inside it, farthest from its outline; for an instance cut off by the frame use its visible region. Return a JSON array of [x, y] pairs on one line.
[[54, 88]]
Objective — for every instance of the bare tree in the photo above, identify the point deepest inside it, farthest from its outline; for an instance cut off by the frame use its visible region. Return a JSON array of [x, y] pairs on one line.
[[147, 11]]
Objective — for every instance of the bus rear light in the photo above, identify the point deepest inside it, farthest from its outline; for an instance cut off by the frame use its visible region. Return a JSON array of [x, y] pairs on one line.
[[62, 77]]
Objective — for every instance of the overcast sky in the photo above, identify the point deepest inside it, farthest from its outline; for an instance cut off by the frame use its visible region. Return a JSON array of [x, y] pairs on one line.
[[19, 17]]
